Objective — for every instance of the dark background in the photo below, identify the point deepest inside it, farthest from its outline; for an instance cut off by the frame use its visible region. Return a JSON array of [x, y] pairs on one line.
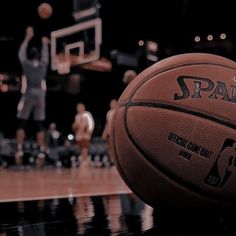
[[173, 24]]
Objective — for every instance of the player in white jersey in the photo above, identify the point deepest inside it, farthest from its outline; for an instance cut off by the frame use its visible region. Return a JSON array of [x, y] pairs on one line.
[[83, 127]]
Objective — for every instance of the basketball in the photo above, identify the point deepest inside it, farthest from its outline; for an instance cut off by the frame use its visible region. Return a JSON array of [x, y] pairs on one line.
[[45, 10], [173, 134]]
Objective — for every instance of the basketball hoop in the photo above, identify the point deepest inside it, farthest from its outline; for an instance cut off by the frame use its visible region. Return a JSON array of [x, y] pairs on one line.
[[63, 68], [63, 65]]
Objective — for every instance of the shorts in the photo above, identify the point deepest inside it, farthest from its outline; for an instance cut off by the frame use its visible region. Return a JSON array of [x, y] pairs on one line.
[[83, 143], [32, 102]]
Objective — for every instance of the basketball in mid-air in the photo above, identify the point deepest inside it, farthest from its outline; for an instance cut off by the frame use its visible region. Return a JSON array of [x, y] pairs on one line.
[[173, 134], [45, 10]]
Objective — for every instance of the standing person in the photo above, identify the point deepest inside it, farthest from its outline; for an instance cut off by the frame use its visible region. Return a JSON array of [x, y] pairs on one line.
[[83, 127], [106, 131], [34, 68]]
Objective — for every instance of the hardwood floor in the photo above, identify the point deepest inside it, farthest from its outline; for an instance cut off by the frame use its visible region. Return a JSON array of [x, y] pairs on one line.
[[21, 185]]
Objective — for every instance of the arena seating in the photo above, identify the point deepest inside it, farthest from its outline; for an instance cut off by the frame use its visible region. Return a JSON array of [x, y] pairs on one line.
[[66, 155]]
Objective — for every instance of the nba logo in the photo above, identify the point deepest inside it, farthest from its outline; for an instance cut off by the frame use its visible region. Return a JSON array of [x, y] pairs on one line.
[[223, 166]]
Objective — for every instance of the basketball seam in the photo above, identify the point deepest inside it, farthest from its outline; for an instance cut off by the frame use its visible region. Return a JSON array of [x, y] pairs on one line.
[[173, 177], [182, 110]]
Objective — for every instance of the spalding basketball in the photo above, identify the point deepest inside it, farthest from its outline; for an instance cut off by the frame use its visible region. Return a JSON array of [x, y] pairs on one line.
[[45, 10], [173, 135]]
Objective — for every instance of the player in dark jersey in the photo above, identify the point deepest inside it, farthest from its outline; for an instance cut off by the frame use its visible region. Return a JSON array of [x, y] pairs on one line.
[[34, 66]]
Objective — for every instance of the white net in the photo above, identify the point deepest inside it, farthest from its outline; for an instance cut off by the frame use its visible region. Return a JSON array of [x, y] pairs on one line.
[[63, 66]]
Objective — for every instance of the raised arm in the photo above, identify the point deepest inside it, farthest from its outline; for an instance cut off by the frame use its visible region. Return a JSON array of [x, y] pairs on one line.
[[22, 54], [45, 51]]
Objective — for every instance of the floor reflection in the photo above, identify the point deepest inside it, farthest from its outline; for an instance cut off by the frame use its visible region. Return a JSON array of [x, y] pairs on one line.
[[96, 215], [105, 215]]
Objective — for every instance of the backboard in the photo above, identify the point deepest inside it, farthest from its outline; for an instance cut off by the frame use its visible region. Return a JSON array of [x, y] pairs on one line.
[[76, 45]]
